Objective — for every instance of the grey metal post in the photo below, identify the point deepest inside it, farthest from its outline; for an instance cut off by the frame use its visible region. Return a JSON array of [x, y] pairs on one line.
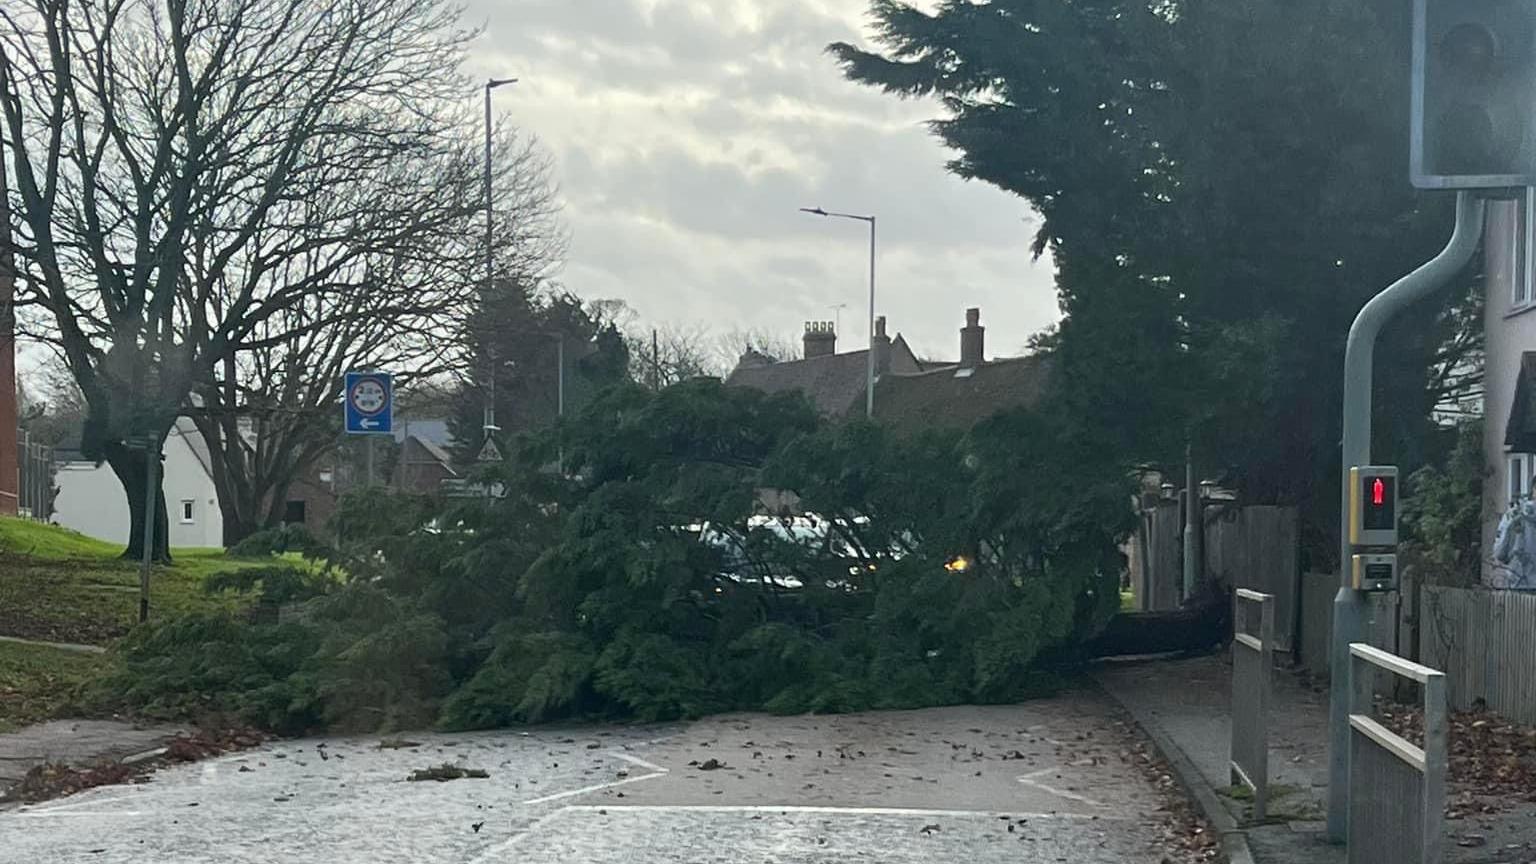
[[869, 396], [1192, 526], [1436, 756], [560, 396], [151, 478], [1356, 450]]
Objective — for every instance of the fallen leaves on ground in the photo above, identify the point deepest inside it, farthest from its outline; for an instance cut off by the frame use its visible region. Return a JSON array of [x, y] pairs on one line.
[[1183, 827], [57, 779], [1492, 760]]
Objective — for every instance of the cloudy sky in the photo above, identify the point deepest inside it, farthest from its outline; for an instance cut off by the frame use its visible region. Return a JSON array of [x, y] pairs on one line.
[[686, 133]]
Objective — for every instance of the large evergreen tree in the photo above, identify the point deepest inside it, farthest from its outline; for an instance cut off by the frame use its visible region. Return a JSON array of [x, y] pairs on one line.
[[1223, 185]]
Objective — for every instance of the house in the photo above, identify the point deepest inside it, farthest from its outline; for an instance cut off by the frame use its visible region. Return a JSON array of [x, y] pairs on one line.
[[91, 500], [908, 391], [959, 395], [421, 465], [831, 380], [1509, 363]]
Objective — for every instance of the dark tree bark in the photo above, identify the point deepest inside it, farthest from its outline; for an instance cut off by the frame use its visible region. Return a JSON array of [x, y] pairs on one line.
[[131, 468]]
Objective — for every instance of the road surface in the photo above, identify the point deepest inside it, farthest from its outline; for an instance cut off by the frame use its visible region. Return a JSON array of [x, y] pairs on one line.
[[1051, 780]]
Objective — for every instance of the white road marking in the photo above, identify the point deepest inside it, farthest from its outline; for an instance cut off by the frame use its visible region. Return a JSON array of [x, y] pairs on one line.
[[82, 799], [1029, 780], [494, 853], [596, 787], [828, 810], [636, 760], [94, 814]]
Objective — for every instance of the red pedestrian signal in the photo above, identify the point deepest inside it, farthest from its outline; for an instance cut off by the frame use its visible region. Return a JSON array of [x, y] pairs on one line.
[[1378, 493]]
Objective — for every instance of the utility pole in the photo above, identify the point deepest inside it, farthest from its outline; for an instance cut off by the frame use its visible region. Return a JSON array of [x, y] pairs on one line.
[[655, 361]]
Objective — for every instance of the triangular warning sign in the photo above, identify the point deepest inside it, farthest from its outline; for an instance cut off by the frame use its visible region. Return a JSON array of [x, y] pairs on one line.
[[489, 452]]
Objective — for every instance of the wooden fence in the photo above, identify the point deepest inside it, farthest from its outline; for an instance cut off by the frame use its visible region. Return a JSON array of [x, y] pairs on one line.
[[1253, 547], [1485, 641]]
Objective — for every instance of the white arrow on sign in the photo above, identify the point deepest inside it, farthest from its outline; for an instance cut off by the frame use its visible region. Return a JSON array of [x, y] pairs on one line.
[[368, 423]]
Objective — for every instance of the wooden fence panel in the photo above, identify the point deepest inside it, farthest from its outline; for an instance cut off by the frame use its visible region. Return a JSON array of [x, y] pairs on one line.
[[1255, 547], [1486, 643], [1164, 577]]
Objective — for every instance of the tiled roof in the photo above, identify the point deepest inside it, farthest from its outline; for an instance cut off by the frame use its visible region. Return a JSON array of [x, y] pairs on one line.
[[959, 398], [830, 381]]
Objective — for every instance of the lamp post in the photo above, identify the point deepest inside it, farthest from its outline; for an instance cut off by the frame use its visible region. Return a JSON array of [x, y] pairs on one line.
[[869, 383], [489, 420]]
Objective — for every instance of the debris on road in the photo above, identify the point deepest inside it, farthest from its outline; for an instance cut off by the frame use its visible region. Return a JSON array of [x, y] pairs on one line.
[[56, 779], [445, 772]]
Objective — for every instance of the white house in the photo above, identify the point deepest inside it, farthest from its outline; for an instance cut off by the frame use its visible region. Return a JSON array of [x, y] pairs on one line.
[[1509, 372], [91, 500]]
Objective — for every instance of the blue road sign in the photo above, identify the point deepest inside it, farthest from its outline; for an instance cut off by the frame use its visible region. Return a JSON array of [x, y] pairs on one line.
[[370, 403]]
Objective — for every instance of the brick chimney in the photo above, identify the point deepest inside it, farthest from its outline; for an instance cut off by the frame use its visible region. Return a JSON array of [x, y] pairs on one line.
[[820, 339], [882, 345], [971, 339]]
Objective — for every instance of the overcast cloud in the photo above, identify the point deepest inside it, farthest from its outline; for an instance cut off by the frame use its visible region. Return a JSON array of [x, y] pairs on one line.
[[686, 134]]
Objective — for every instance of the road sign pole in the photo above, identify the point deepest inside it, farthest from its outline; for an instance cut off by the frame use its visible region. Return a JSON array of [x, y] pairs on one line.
[[1349, 604], [151, 482]]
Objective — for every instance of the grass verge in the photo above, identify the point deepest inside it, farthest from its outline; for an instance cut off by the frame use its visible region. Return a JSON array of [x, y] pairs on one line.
[[60, 586], [37, 681]]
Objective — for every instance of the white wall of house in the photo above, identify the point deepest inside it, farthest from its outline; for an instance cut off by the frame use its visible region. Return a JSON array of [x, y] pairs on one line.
[[1509, 325], [92, 501]]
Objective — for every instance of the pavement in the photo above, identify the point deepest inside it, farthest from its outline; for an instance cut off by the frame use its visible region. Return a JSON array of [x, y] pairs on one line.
[[77, 742], [1053, 780], [61, 646], [1183, 706]]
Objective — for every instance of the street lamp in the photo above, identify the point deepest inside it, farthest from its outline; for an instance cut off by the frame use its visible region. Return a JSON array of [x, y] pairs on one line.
[[869, 384], [489, 418]]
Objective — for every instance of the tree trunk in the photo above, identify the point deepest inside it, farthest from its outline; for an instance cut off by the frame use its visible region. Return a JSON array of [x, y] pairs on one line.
[[237, 528], [130, 467]]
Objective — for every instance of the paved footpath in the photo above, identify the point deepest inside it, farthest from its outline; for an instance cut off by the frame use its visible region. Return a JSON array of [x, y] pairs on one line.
[[76, 742], [1054, 780], [1187, 703]]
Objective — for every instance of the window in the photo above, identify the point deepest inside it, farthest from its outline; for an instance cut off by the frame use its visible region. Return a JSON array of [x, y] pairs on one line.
[[293, 513], [186, 511], [1520, 467], [1520, 262]]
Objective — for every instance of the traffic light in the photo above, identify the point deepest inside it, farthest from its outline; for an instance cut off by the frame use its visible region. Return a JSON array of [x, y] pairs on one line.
[[1474, 86], [1373, 505]]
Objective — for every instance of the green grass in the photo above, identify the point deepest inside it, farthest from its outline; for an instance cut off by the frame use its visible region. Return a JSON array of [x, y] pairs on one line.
[[57, 585], [36, 681], [1127, 601], [37, 540]]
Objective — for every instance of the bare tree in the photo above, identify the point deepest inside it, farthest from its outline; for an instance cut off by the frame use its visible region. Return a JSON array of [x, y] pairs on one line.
[[665, 355], [733, 344], [274, 408], [212, 177]]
